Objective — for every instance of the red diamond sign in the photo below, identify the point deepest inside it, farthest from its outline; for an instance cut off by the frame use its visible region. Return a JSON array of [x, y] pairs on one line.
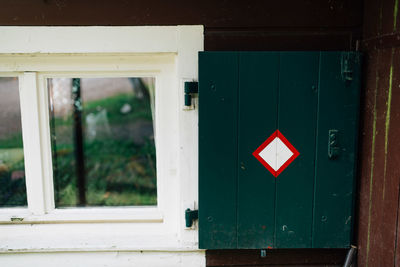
[[276, 153]]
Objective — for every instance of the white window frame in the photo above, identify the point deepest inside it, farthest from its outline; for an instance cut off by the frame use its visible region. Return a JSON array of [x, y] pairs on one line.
[[170, 54]]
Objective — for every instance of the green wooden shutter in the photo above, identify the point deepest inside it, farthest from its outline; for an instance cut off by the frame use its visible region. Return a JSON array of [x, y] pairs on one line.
[[244, 97]]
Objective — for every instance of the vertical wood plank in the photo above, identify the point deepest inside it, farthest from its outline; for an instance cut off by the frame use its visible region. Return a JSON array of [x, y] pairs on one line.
[[378, 243], [379, 189], [297, 122], [372, 18], [367, 151], [388, 17], [393, 160], [338, 107], [391, 172], [218, 112], [258, 91]]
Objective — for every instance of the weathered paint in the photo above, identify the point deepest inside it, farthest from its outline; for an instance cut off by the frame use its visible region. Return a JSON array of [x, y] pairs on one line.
[[367, 147], [106, 259], [387, 123], [371, 179], [238, 190], [299, 30], [378, 232], [168, 232], [393, 151], [379, 213]]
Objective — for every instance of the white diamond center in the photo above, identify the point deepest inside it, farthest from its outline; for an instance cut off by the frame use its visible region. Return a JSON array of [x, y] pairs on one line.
[[276, 153]]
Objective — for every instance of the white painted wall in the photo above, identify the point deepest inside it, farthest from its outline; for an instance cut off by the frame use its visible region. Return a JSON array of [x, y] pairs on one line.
[[104, 259], [105, 236]]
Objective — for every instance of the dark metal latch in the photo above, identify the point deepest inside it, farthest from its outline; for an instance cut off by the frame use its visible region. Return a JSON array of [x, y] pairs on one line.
[[190, 89], [190, 216]]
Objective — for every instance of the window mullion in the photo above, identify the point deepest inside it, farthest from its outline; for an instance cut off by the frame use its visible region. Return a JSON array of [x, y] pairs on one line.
[[30, 117], [45, 135]]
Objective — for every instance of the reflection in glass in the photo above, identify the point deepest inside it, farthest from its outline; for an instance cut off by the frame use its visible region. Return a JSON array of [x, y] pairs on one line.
[[103, 141], [12, 172]]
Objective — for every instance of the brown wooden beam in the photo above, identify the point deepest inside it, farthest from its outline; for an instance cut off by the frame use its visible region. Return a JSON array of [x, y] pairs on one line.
[[276, 257], [255, 13], [382, 41]]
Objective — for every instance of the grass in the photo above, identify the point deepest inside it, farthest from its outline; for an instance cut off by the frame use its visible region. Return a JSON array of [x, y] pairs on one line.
[[113, 167]]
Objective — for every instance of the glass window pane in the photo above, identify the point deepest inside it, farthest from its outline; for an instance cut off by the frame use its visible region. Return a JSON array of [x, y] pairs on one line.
[[103, 141], [12, 171]]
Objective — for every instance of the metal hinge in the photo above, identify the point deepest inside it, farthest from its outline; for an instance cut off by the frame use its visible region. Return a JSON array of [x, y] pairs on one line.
[[347, 66], [190, 89], [190, 216]]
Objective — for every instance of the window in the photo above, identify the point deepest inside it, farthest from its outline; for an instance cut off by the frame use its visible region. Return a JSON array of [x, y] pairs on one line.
[[95, 117], [102, 135], [138, 146]]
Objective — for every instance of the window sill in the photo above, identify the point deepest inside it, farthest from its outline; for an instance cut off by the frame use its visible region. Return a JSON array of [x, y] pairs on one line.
[[72, 237], [83, 215]]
